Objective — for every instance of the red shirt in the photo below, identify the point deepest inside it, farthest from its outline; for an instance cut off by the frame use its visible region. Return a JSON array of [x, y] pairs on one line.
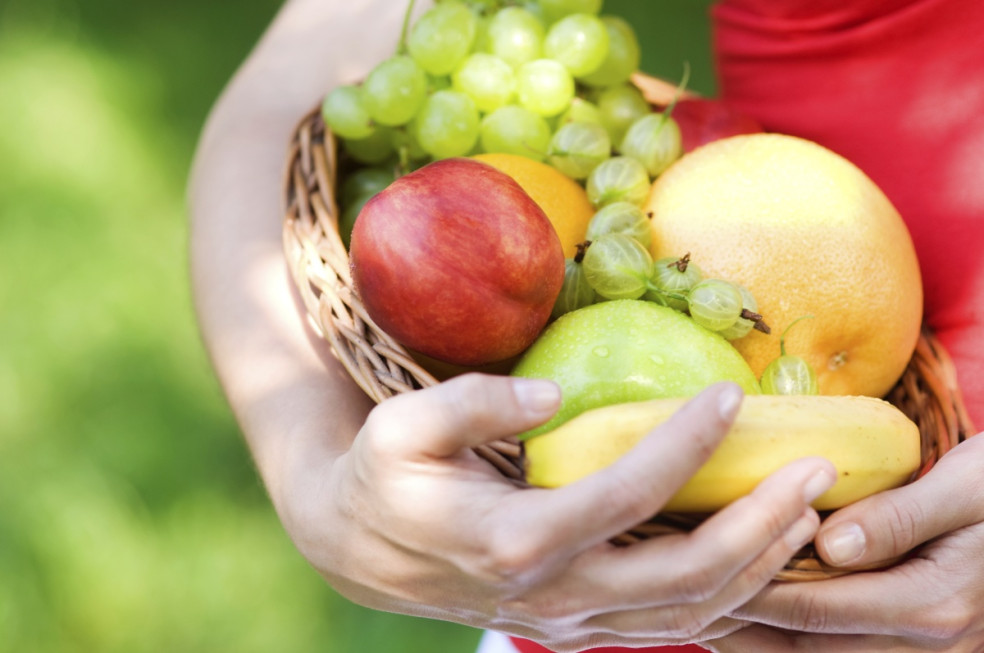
[[897, 87]]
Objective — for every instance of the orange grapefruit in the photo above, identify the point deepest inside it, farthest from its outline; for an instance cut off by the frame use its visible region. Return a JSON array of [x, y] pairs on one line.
[[563, 200], [807, 233]]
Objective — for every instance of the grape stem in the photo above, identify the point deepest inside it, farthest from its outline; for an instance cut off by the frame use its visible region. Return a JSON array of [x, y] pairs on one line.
[[492, 6], [533, 150], [680, 264], [403, 167], [582, 249], [782, 338], [665, 294], [561, 153], [759, 321], [668, 110], [401, 48]]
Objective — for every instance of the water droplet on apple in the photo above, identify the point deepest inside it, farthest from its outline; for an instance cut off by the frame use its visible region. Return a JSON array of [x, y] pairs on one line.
[[600, 351]]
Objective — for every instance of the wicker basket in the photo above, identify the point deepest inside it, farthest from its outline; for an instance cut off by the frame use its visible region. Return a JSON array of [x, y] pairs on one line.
[[318, 261]]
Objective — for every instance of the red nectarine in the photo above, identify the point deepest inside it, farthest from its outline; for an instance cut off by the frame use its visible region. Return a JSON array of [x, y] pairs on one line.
[[457, 262]]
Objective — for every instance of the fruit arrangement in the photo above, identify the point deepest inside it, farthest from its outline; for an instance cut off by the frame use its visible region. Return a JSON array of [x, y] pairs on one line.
[[508, 194], [499, 82]]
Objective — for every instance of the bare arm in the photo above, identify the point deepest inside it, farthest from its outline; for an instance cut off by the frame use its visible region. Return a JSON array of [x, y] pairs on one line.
[[273, 372]]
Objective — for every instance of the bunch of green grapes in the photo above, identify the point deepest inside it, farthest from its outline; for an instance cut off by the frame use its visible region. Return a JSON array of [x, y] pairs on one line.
[[545, 79], [549, 80]]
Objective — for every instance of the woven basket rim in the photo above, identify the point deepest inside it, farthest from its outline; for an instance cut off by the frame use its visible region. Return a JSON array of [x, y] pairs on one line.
[[927, 392]]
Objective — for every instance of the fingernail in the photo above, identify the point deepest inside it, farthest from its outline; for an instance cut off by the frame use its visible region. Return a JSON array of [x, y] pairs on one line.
[[801, 532], [844, 543], [817, 485], [729, 401], [536, 396]]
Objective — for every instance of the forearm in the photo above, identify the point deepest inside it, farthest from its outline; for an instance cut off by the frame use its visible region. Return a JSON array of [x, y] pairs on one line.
[[285, 388]]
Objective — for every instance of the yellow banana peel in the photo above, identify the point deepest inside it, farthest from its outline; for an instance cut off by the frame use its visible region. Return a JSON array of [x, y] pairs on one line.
[[873, 445]]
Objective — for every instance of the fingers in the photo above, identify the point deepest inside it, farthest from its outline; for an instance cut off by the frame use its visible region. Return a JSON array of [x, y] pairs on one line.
[[679, 586], [463, 412], [921, 600], [637, 485], [648, 637], [763, 639], [893, 523], [775, 516], [697, 612]]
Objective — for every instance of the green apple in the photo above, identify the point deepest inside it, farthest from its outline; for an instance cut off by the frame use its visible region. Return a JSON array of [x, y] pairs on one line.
[[629, 350]]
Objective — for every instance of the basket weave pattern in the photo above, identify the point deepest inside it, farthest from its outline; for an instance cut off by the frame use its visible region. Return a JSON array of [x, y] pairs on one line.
[[318, 262]]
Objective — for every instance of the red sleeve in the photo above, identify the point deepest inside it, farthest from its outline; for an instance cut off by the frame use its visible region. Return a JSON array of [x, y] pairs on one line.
[[525, 646], [896, 86]]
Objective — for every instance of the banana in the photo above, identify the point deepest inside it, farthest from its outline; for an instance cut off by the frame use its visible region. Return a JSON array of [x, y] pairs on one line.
[[873, 445]]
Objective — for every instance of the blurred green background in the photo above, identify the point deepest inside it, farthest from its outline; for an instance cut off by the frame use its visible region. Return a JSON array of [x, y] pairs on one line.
[[130, 516]]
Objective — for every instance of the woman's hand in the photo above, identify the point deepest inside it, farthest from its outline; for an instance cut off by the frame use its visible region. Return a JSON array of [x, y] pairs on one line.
[[934, 601], [411, 520]]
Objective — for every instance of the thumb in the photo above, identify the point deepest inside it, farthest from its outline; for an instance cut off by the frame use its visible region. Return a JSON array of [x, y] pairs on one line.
[[638, 484], [463, 412], [892, 523]]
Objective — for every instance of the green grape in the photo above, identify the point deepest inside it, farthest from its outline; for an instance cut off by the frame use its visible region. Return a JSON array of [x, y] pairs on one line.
[[357, 189], [515, 130], [447, 125], [346, 220], [655, 141], [617, 267], [577, 148], [554, 10], [442, 37], [544, 87], [620, 106], [395, 91], [714, 304], [344, 111], [618, 179], [348, 216], [488, 80], [516, 36], [581, 110], [623, 58], [621, 218], [365, 181], [576, 292], [787, 374], [672, 280], [579, 42], [372, 150], [749, 317]]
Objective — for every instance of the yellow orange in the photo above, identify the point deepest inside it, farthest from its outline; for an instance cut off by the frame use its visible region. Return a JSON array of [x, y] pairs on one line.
[[808, 233], [563, 200]]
